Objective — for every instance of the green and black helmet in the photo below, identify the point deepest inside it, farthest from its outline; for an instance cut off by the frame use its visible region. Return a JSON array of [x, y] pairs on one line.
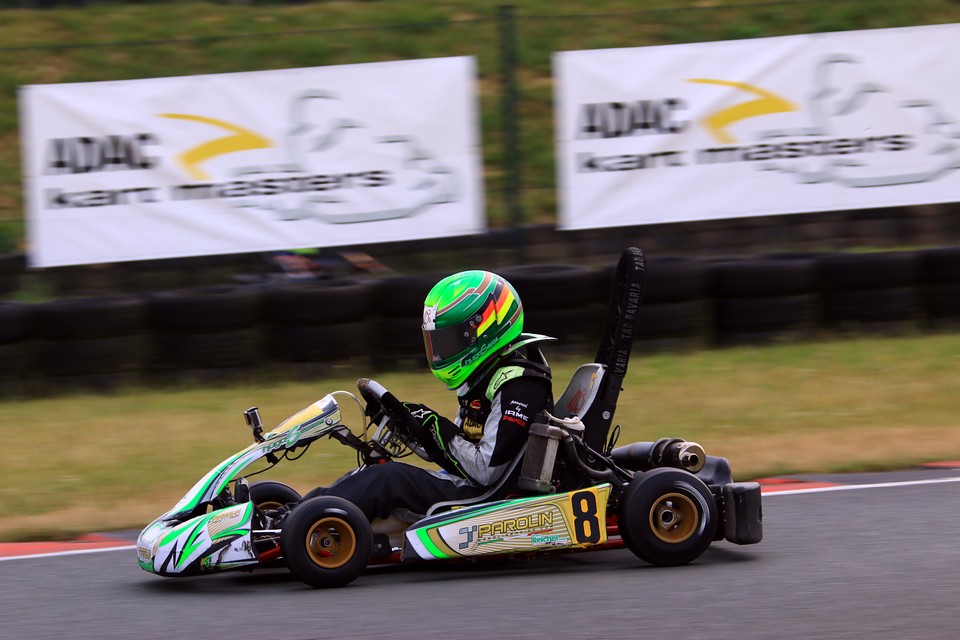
[[467, 318]]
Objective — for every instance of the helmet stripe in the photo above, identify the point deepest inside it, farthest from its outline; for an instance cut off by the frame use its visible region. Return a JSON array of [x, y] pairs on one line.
[[466, 293], [488, 318], [503, 303]]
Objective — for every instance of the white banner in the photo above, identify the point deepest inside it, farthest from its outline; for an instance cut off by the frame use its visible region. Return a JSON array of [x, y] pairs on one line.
[[259, 161], [758, 127]]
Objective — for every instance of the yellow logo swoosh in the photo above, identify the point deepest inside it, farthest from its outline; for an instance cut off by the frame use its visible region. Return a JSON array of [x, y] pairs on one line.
[[766, 103], [240, 140]]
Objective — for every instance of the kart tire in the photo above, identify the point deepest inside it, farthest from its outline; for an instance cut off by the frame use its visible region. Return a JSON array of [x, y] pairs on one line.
[[326, 542], [674, 279], [15, 321], [680, 319], [859, 271], [206, 309], [762, 278], [269, 494], [90, 318], [550, 286], [667, 517], [320, 302]]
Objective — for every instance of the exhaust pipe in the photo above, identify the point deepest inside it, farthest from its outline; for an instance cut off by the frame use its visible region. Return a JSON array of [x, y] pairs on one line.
[[666, 452], [691, 456]]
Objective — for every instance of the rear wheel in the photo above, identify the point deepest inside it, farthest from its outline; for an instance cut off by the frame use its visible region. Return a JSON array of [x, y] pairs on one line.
[[327, 542], [667, 517]]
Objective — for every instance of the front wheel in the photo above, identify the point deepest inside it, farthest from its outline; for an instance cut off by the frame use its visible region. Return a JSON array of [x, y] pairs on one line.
[[667, 517], [327, 542], [269, 494]]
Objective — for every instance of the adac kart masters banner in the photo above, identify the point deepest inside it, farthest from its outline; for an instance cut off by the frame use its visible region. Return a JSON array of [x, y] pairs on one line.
[[257, 161], [758, 127]]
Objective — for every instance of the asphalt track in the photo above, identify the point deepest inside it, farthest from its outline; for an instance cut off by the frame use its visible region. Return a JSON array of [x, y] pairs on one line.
[[853, 556]]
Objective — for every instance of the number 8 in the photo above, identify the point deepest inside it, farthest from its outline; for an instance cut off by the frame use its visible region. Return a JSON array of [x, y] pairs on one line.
[[586, 525]]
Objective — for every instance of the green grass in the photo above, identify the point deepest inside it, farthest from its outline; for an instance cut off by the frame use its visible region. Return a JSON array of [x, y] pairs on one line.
[[91, 462], [114, 42]]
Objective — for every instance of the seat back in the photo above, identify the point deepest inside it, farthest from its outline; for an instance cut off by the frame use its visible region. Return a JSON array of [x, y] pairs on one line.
[[616, 341], [581, 391]]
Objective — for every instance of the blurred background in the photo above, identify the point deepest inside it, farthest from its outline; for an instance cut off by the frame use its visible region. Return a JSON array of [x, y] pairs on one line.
[[711, 283]]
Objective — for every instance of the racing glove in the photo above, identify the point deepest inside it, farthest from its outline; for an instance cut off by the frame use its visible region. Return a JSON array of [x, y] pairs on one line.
[[421, 423], [433, 432]]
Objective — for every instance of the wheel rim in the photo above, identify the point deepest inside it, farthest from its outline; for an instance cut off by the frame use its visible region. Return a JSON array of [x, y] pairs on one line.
[[267, 505], [331, 543], [674, 518]]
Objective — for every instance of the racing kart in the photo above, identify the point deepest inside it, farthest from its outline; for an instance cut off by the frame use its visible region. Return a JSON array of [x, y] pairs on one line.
[[570, 488]]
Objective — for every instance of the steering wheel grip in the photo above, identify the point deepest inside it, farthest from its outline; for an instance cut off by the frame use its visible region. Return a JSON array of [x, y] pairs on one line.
[[374, 392]]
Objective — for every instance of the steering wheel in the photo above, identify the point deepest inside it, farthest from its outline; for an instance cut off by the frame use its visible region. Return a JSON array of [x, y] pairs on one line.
[[384, 406]]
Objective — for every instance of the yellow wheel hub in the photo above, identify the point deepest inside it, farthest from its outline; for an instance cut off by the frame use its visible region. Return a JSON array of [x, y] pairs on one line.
[[674, 518], [331, 543]]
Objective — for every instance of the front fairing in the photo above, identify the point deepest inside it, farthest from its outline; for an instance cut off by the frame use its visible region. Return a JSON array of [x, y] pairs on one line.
[[187, 540], [215, 541]]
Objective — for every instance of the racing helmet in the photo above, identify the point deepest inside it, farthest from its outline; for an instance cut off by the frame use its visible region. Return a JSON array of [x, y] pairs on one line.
[[467, 319]]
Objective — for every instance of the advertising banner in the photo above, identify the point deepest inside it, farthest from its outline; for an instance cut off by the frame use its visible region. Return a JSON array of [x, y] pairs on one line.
[[245, 162], [756, 127]]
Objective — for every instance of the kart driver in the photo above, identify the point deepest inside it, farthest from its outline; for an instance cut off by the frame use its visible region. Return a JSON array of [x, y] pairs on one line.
[[472, 324]]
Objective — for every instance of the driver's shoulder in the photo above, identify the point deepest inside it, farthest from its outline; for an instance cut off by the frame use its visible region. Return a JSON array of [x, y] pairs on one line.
[[514, 371]]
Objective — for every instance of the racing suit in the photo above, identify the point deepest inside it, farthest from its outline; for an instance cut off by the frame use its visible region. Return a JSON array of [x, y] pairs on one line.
[[474, 450]]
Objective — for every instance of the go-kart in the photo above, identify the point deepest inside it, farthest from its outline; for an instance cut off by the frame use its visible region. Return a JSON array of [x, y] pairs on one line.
[[570, 488]]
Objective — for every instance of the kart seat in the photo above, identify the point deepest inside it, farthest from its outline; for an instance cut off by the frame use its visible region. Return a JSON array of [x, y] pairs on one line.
[[581, 391]]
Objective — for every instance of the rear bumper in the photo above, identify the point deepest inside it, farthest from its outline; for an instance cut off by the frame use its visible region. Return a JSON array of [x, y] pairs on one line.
[[742, 512]]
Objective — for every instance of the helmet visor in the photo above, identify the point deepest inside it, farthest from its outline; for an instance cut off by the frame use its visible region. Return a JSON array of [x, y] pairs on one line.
[[446, 342]]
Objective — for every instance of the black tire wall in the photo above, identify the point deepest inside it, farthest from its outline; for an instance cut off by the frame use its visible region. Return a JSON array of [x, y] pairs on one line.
[[298, 329], [318, 322], [98, 343], [764, 299], [206, 332]]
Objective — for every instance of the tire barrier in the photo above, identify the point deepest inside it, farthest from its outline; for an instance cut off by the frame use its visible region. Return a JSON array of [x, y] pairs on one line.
[[870, 291], [318, 322], [674, 312], [16, 353], [97, 343], [396, 316], [764, 300], [940, 287], [559, 300], [15, 320], [207, 332], [298, 328], [11, 266]]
